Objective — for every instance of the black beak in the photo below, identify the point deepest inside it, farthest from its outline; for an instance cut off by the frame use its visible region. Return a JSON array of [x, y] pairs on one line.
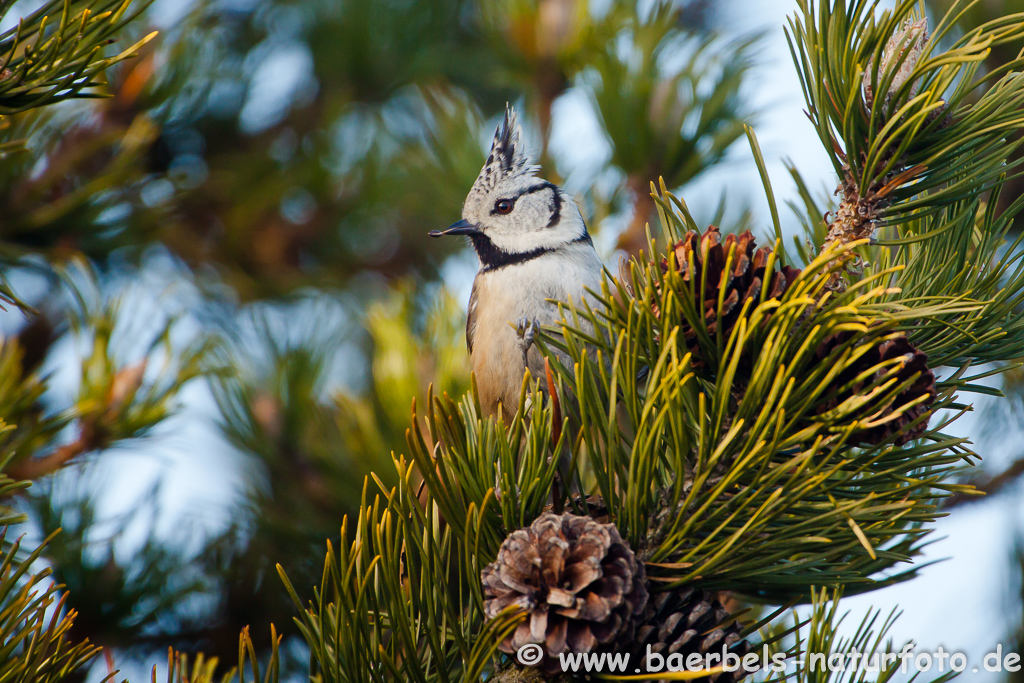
[[462, 227]]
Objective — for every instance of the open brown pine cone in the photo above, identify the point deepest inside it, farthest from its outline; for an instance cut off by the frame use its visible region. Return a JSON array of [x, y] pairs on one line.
[[578, 581]]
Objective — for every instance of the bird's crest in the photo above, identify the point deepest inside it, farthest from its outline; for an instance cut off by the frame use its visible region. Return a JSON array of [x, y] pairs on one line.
[[508, 156]]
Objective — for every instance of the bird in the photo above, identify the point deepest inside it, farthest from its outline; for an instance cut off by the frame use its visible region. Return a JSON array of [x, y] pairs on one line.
[[534, 249]]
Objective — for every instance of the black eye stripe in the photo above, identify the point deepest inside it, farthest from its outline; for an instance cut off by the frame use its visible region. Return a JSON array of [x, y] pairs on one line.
[[557, 202], [556, 209], [537, 188]]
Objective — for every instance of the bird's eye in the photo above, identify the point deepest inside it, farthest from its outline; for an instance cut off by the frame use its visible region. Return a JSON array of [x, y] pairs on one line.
[[504, 206]]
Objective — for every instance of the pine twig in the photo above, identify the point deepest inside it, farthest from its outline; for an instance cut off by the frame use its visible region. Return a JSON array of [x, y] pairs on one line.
[[517, 674], [556, 415], [987, 487], [634, 238], [35, 468], [556, 432]]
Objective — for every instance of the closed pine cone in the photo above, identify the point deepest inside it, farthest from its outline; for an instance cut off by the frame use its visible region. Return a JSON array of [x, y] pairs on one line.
[[745, 278], [912, 361], [579, 582], [689, 621]]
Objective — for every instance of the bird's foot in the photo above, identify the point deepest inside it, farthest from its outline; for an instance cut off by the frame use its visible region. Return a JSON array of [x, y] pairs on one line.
[[526, 329]]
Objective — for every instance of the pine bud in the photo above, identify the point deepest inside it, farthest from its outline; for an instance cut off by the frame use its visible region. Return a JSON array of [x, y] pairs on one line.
[[557, 26], [911, 40], [266, 411], [125, 385]]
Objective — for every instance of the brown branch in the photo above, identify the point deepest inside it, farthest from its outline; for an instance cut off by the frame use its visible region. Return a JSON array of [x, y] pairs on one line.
[[556, 434], [34, 468], [517, 674], [987, 487], [550, 81], [556, 406], [633, 239]]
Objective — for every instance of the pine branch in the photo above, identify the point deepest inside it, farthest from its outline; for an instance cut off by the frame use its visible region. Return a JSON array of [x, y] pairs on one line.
[[985, 487], [35, 468], [37, 648], [898, 118], [115, 401], [669, 123], [46, 62], [744, 394], [203, 669], [830, 652]]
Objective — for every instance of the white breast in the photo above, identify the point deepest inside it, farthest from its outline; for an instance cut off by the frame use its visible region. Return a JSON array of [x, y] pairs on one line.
[[518, 291]]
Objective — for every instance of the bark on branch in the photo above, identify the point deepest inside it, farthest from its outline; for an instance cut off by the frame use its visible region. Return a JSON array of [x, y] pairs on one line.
[[34, 468], [987, 487], [634, 238]]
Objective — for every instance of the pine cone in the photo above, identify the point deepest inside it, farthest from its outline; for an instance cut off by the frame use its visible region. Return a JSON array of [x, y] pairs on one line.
[[742, 281], [688, 621], [576, 578], [912, 362]]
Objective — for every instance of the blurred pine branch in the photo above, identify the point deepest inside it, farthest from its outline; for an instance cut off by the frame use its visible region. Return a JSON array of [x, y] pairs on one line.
[[742, 424], [776, 441]]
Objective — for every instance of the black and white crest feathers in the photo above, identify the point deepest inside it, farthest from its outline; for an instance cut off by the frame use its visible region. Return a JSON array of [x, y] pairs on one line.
[[508, 156]]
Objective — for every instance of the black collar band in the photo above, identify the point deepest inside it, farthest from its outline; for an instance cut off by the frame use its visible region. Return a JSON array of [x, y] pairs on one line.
[[493, 258]]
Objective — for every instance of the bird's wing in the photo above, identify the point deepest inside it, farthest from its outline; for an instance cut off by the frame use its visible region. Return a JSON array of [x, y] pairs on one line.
[[471, 314]]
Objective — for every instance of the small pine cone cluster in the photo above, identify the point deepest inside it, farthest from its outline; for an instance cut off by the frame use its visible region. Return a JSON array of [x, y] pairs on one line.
[[910, 362], [685, 622], [704, 257], [578, 581]]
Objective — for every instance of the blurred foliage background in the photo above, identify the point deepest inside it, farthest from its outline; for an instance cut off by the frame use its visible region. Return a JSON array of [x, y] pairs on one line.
[[242, 226]]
